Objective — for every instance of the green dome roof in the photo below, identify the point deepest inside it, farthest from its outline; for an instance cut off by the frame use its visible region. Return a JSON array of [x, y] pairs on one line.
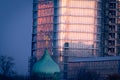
[[45, 65]]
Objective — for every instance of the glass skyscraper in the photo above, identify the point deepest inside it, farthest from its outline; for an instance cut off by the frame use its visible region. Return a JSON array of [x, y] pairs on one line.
[[75, 29], [43, 14], [75, 22]]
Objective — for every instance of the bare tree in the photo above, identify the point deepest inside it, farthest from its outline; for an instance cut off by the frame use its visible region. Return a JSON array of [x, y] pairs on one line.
[[6, 65]]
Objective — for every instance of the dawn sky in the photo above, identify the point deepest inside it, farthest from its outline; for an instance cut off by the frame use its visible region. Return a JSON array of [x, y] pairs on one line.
[[16, 31]]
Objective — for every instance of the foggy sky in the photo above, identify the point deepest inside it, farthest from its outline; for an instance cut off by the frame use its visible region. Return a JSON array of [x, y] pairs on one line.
[[15, 31]]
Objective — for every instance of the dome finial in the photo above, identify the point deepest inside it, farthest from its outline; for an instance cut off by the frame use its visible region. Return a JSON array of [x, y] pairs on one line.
[[46, 40]]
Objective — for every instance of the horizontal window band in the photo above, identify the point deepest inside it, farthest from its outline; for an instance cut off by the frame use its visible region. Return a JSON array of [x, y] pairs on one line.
[[56, 40]]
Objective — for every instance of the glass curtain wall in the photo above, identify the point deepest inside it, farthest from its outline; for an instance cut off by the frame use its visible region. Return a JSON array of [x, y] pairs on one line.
[[78, 22], [43, 26]]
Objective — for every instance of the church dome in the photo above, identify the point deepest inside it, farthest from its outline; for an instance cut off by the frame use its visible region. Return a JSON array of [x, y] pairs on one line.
[[45, 65]]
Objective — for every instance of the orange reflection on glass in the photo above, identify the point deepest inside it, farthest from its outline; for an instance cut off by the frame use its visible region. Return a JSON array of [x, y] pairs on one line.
[[44, 26], [78, 25]]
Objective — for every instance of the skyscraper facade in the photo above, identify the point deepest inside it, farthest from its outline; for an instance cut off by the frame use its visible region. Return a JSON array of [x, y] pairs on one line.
[[118, 24], [111, 27], [76, 22], [80, 28], [43, 12]]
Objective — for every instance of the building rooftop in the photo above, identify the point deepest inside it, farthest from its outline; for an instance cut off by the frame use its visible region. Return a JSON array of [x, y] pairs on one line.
[[90, 59]]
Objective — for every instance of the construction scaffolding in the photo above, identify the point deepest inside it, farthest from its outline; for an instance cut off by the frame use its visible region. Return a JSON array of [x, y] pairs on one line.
[[110, 30]]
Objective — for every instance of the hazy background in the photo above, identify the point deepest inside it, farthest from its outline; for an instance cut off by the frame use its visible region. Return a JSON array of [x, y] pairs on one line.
[[15, 31]]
